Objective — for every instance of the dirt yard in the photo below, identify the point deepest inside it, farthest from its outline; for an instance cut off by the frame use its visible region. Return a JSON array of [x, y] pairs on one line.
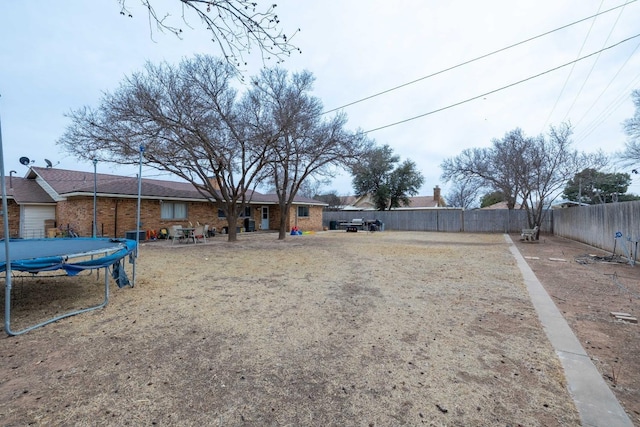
[[333, 328], [587, 285]]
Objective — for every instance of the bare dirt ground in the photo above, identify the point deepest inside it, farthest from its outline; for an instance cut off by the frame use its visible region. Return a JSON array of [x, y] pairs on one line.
[[587, 284], [340, 329]]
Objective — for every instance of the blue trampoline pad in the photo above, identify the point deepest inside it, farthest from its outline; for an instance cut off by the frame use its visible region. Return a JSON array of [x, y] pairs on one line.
[[35, 255]]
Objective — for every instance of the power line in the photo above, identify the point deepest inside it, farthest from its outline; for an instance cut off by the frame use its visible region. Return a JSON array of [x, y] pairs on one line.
[[607, 112], [477, 58], [608, 85], [593, 66], [570, 71], [503, 87]]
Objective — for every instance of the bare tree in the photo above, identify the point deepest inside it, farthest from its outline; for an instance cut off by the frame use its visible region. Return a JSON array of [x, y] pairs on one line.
[[551, 163], [331, 198], [530, 170], [238, 27], [631, 155], [464, 194], [498, 167], [308, 143], [310, 188], [190, 123]]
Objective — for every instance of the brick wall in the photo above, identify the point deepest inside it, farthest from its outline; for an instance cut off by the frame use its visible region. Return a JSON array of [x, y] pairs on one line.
[[311, 223], [14, 220], [76, 214], [117, 216]]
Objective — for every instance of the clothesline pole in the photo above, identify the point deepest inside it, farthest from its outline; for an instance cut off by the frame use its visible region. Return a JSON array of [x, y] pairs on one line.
[[5, 224], [135, 254], [94, 232]]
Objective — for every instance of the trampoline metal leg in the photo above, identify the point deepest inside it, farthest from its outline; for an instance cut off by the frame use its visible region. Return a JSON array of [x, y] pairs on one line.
[[7, 316]]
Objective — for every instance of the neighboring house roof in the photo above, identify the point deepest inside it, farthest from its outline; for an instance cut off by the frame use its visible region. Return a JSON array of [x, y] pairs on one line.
[[63, 183], [423, 202], [26, 191], [562, 204], [366, 203], [347, 200], [501, 205]]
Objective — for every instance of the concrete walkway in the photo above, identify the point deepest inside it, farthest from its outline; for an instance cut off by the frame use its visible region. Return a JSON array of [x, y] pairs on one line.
[[596, 403]]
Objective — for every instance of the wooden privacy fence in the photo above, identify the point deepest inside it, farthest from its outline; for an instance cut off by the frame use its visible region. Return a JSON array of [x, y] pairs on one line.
[[596, 225], [443, 219]]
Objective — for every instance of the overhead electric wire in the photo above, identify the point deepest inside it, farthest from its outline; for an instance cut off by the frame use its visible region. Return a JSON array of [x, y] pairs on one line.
[[608, 111], [575, 99], [615, 76], [564, 86], [477, 58], [503, 87]]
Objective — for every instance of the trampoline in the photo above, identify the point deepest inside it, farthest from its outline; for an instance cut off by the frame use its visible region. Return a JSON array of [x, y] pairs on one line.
[[71, 255]]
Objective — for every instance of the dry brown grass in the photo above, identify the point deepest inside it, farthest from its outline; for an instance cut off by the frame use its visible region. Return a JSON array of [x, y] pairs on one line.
[[361, 329]]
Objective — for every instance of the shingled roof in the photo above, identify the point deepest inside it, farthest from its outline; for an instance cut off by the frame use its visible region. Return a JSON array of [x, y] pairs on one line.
[[67, 183], [26, 191]]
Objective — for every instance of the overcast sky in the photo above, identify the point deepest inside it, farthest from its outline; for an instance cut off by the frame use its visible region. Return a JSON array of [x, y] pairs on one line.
[[57, 56]]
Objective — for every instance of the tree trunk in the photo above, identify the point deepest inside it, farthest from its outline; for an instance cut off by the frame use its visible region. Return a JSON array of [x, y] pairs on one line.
[[232, 235], [284, 219], [282, 234], [282, 230]]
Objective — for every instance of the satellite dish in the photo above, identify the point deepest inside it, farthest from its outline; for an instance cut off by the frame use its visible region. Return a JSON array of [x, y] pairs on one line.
[[25, 161], [48, 162]]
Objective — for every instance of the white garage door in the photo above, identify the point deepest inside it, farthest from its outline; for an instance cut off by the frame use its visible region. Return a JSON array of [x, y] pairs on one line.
[[32, 222]]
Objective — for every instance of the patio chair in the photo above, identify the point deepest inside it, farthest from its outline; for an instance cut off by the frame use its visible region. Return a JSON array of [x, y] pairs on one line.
[[199, 233], [175, 232]]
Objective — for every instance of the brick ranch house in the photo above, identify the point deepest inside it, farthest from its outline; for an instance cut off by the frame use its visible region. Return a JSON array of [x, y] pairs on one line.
[[49, 201]]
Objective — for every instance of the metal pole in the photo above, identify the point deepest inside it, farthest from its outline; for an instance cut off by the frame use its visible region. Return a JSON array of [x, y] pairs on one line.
[[95, 190], [5, 221], [133, 279]]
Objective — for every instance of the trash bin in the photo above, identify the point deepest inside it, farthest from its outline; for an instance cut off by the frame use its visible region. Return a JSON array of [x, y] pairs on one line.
[[249, 224], [333, 225]]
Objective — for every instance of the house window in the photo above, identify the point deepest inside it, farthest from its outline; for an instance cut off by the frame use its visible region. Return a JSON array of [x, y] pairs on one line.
[[173, 210], [303, 211], [245, 213]]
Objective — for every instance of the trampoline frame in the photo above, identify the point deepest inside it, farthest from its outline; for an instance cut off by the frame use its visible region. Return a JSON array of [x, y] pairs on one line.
[[133, 252], [113, 254]]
